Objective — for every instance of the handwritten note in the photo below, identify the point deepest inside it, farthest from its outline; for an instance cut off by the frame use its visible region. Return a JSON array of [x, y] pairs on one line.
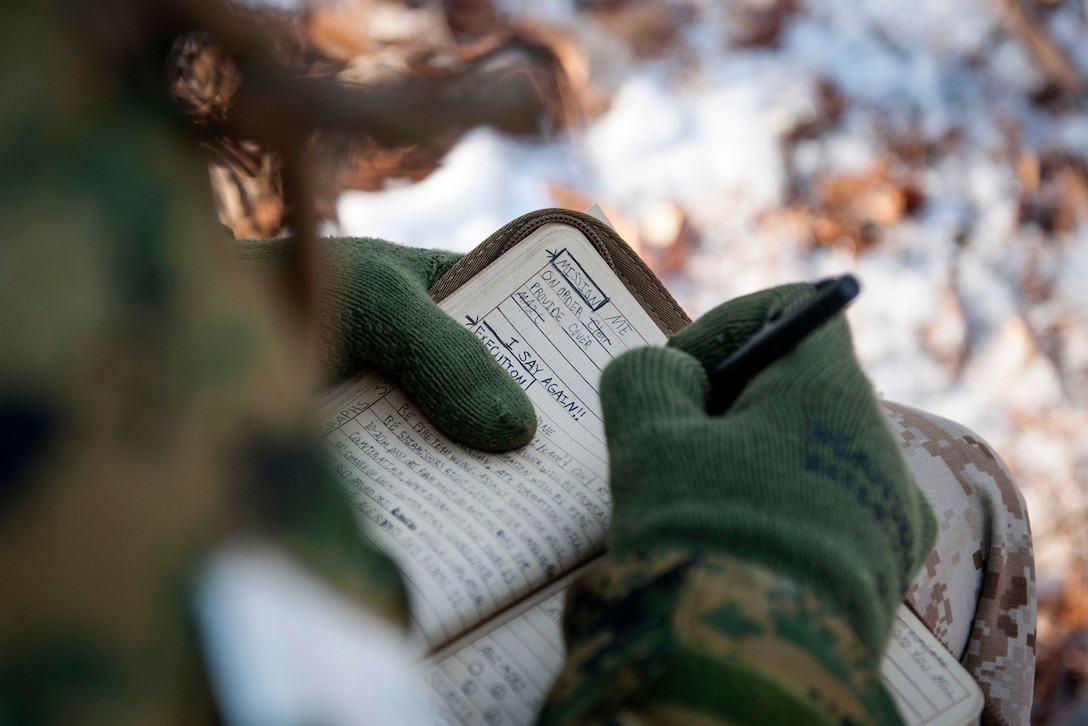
[[503, 676], [487, 542], [474, 532], [928, 685]]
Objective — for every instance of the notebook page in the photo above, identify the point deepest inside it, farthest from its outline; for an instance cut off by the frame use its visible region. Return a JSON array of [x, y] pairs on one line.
[[474, 532], [503, 676]]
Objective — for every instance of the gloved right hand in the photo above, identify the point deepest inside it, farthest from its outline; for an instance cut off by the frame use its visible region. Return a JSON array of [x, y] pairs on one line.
[[802, 474]]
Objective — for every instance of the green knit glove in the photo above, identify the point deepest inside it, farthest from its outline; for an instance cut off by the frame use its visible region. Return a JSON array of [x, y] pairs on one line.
[[802, 474], [378, 313]]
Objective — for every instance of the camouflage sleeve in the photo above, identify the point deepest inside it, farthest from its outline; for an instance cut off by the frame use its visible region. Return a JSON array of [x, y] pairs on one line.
[[151, 409], [976, 592], [683, 637]]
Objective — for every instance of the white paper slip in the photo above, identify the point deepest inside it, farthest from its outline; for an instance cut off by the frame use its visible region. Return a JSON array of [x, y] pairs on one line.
[[928, 685]]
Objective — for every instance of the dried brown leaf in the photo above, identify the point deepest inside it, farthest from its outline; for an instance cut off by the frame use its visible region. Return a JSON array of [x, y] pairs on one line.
[[1058, 200], [857, 205], [649, 27], [758, 23]]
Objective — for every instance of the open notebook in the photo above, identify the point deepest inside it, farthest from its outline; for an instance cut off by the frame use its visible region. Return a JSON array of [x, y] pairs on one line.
[[487, 543]]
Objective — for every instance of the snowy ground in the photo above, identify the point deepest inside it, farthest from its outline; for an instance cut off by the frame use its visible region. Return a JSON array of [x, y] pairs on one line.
[[968, 311]]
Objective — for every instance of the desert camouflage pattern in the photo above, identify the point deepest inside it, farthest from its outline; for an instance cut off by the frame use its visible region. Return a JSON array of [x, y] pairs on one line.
[[976, 591]]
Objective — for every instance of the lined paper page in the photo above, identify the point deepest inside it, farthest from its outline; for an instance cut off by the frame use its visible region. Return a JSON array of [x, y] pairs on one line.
[[475, 532], [504, 676]]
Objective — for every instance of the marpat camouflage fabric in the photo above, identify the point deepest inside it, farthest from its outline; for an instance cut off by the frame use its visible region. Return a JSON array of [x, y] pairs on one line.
[[150, 410], [683, 638], [630, 622], [976, 592]]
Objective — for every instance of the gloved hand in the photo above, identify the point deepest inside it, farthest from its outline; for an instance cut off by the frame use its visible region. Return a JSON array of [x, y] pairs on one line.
[[378, 313], [802, 474]]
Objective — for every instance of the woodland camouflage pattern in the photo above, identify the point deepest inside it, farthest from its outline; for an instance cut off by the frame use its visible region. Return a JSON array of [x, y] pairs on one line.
[[149, 408], [680, 637]]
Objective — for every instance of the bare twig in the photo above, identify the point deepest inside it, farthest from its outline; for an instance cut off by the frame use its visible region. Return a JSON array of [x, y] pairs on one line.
[[1048, 54]]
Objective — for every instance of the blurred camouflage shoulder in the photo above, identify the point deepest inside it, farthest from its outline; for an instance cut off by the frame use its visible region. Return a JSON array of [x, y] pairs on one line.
[[976, 592], [684, 637], [150, 408]]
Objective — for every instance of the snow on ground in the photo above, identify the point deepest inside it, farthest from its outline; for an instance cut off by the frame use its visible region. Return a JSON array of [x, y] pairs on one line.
[[965, 312]]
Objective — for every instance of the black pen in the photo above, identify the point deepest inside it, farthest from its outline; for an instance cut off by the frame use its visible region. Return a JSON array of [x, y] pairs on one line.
[[779, 336]]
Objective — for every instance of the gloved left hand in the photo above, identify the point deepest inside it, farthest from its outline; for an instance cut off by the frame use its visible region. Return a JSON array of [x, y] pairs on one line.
[[377, 312]]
